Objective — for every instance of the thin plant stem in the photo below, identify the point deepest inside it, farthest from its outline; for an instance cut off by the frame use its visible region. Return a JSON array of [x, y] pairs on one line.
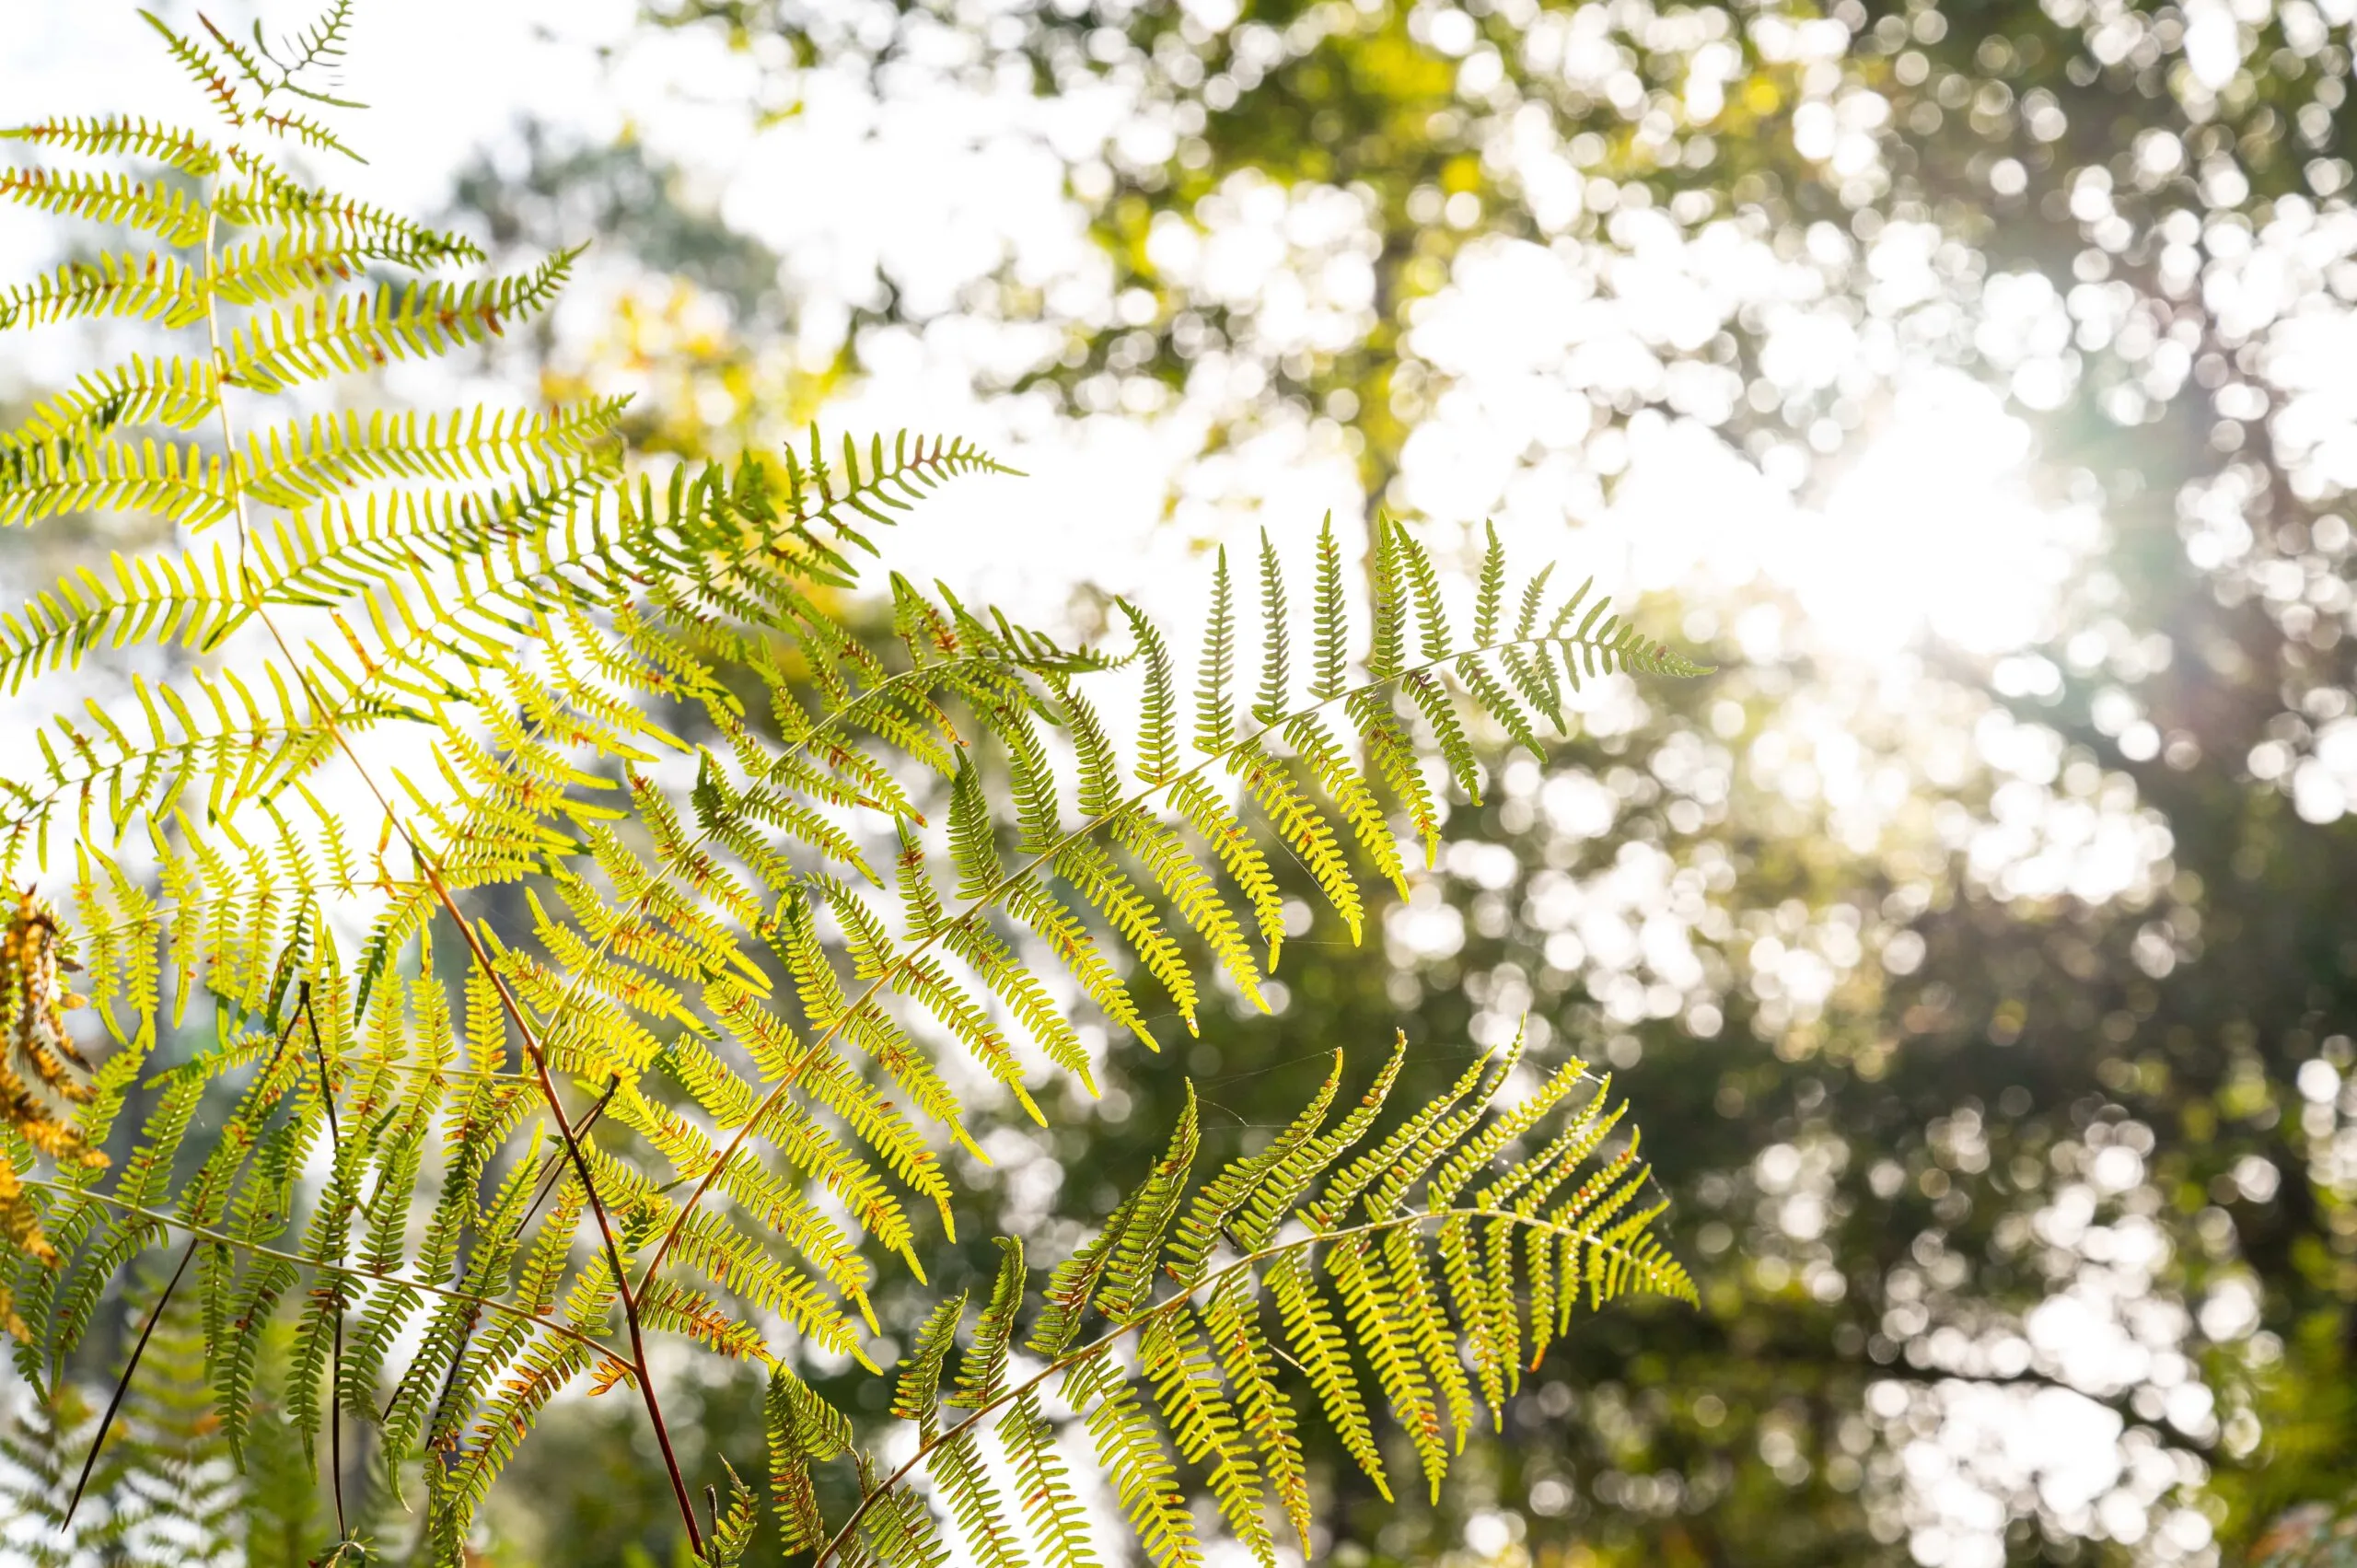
[[554, 1102], [122, 1384], [335, 1372]]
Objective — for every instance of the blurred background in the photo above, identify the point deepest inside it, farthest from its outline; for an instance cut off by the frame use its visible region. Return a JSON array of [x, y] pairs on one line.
[[1975, 384]]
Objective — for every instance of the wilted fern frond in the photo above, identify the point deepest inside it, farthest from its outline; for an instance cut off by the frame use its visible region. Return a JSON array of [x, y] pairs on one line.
[[1442, 1257], [34, 999], [770, 862]]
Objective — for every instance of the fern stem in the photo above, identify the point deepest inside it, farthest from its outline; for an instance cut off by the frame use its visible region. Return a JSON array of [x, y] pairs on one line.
[[581, 1167], [1168, 1305], [122, 1384], [335, 1372], [556, 1166], [303, 1259], [555, 1103], [989, 898]]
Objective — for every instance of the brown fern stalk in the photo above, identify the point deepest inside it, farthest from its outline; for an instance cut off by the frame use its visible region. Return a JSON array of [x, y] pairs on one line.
[[639, 1361]]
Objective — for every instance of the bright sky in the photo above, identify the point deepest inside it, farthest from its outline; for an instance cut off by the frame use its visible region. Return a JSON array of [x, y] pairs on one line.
[[977, 179]]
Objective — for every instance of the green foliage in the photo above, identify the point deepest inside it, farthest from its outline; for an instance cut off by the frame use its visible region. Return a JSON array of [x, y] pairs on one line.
[[643, 1035]]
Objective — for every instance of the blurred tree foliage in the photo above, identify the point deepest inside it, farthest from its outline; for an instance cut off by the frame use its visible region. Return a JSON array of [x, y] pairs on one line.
[[694, 319], [2027, 1222]]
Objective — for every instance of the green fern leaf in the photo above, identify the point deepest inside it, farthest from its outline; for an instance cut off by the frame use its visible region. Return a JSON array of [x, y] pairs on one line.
[[154, 287], [803, 1429], [1490, 593], [278, 350], [1270, 704], [1214, 700], [1158, 714], [1328, 616], [165, 211], [120, 136]]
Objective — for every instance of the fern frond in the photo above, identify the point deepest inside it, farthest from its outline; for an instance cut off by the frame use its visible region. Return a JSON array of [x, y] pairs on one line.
[[296, 466], [1158, 761], [281, 349], [1168, 872], [322, 45], [1490, 593], [201, 68], [709, 1041], [294, 126], [1192, 1398], [815, 492], [1214, 701], [175, 392], [193, 600], [267, 198], [163, 211], [1207, 1360], [1329, 633], [152, 287], [803, 1430], [179, 482], [1276, 660], [319, 255], [224, 740], [119, 135]]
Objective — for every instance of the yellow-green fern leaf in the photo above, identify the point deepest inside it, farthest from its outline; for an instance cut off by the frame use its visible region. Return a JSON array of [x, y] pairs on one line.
[[165, 211], [359, 333], [267, 198], [153, 287], [1185, 1377], [176, 392], [296, 465], [1182, 880], [119, 135], [181, 482], [192, 600]]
